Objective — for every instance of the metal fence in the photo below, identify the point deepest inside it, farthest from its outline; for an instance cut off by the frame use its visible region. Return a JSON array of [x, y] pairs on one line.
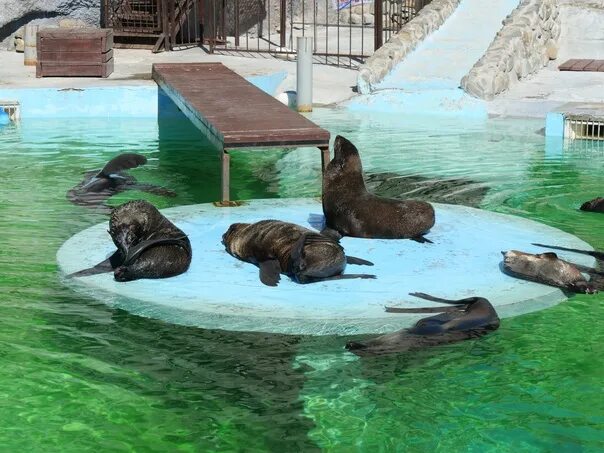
[[345, 32], [158, 24]]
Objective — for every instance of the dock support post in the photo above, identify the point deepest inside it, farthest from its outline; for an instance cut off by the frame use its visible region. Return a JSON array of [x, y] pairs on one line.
[[225, 176], [325, 158], [304, 73]]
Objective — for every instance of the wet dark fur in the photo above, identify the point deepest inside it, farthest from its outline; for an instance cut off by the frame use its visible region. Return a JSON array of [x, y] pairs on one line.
[[595, 205], [304, 255], [470, 318], [352, 211], [98, 186], [548, 269], [148, 245]]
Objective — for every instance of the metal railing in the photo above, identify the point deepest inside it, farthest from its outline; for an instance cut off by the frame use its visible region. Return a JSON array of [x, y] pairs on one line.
[[345, 32], [166, 24]]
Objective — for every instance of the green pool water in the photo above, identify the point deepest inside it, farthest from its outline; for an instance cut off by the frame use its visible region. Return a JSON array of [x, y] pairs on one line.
[[77, 375]]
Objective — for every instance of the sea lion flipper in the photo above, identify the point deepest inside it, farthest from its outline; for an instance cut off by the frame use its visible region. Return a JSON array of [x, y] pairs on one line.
[[422, 240], [440, 299], [595, 254], [421, 310], [270, 272], [343, 277], [359, 261], [122, 162], [107, 265]]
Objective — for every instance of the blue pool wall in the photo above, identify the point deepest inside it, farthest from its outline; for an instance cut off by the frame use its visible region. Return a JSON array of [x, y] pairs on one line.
[[112, 101]]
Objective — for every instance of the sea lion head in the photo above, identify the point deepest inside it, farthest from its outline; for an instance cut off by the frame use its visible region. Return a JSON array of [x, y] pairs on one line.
[[595, 205], [133, 222], [229, 237], [346, 164], [546, 268]]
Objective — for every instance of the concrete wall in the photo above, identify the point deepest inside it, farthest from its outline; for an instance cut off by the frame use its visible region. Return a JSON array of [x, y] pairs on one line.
[[16, 13], [524, 45], [429, 18]]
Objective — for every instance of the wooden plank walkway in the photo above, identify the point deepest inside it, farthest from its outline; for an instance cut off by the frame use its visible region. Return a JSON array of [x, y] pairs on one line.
[[585, 65], [234, 113]]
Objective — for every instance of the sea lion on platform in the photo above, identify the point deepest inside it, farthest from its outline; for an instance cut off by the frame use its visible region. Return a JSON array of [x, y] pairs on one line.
[[548, 269], [472, 317], [148, 245], [350, 210], [595, 205], [286, 248], [98, 186]]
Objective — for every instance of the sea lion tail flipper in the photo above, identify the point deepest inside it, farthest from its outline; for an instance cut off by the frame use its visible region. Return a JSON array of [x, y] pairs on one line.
[[107, 265], [122, 162], [345, 277], [155, 190], [270, 272], [440, 299], [421, 239], [331, 233], [359, 261], [595, 254], [421, 310], [139, 248]]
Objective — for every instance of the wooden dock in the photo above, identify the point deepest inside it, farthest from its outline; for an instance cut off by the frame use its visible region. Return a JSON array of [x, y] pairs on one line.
[[233, 113]]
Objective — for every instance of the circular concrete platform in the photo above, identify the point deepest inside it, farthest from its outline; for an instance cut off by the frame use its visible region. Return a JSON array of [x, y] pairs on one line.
[[221, 292]]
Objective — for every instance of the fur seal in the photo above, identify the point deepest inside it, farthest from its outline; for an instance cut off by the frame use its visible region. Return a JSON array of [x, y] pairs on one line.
[[595, 205], [98, 186], [148, 245], [280, 247], [350, 210], [472, 317], [548, 269]]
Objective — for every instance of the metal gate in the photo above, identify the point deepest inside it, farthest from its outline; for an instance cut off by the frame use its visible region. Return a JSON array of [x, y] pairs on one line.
[[157, 24], [345, 32]]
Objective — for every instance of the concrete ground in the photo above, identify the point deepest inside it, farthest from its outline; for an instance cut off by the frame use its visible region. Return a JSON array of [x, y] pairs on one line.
[[582, 37], [133, 67]]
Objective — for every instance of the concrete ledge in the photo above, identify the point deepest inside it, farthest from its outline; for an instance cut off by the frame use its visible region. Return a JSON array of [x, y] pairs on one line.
[[221, 292], [429, 19], [108, 101], [525, 44]]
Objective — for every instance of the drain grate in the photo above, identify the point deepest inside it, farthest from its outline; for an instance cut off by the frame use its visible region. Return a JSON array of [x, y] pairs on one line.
[[12, 108], [586, 128]]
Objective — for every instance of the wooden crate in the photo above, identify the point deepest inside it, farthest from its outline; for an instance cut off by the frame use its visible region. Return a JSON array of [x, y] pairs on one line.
[[74, 52]]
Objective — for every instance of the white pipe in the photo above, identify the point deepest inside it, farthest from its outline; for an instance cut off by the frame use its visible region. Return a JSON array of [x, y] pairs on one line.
[[304, 73], [30, 52]]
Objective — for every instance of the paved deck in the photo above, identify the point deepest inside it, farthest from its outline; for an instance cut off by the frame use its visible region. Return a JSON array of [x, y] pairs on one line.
[[234, 113]]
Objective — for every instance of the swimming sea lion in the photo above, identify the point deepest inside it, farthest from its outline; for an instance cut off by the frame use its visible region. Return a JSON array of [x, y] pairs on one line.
[[281, 247], [350, 210], [470, 318], [595, 205], [97, 186], [548, 269], [461, 191], [148, 245]]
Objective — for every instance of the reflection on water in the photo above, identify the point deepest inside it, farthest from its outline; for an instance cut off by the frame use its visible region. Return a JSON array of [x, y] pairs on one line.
[[78, 375]]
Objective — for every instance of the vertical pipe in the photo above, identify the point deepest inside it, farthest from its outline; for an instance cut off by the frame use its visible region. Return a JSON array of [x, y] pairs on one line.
[[378, 24], [29, 37], [304, 46]]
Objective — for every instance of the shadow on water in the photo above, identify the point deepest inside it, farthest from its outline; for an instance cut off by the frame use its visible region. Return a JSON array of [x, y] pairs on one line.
[[187, 155], [222, 389]]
